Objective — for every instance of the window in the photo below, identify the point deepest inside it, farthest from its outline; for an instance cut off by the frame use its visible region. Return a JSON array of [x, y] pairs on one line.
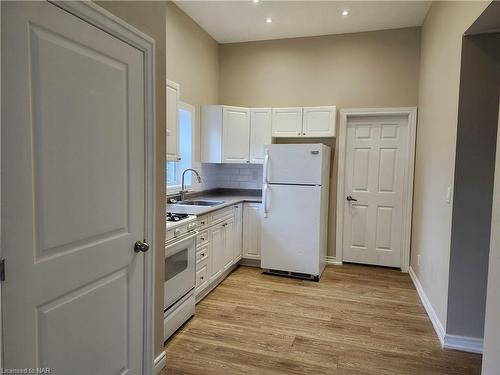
[[175, 168]]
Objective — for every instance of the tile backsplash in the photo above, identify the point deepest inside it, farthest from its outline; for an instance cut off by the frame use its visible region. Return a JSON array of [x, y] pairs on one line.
[[234, 176]]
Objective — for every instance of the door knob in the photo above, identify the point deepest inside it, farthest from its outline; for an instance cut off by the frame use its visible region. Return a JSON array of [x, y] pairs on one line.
[[351, 199], [140, 246]]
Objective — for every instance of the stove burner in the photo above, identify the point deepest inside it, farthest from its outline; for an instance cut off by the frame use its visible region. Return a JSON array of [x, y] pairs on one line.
[[176, 217]]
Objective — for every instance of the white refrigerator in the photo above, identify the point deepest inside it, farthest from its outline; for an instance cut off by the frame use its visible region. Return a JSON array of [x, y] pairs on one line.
[[295, 209]]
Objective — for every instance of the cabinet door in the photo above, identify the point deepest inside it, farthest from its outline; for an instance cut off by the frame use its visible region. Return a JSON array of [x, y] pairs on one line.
[[235, 135], [260, 133], [287, 122], [172, 121], [319, 121], [238, 232], [251, 230], [217, 250], [228, 244]]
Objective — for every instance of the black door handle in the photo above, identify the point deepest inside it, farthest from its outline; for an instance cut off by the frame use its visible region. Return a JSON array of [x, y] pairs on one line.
[[351, 199]]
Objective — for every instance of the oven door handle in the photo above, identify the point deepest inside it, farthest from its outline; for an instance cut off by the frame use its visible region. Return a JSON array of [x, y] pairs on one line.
[[179, 240]]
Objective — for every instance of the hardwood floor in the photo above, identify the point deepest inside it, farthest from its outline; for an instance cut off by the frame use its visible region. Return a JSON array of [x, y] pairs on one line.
[[356, 320]]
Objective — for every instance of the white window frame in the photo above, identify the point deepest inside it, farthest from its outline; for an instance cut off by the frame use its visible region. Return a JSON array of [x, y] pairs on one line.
[[174, 189]]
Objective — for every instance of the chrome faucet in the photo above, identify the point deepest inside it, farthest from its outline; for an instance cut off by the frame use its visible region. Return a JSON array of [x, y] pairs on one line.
[[183, 188]]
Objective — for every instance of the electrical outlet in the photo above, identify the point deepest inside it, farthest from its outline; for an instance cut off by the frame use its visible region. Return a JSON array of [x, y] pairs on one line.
[[418, 260]]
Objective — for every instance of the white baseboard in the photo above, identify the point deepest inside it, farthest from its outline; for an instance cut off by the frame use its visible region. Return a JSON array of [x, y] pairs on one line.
[[436, 323], [333, 261], [463, 343], [160, 362]]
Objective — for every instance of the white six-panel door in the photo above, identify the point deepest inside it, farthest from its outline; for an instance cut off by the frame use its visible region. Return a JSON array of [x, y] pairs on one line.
[[375, 168], [73, 194]]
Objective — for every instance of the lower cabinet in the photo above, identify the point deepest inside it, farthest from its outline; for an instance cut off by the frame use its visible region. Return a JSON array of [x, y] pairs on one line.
[[221, 239], [217, 242], [252, 226]]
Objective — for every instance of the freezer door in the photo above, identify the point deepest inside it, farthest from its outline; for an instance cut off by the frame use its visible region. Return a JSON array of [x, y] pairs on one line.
[[291, 229], [294, 163]]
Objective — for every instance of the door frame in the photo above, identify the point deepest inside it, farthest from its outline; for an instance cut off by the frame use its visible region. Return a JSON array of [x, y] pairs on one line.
[[108, 22], [345, 115]]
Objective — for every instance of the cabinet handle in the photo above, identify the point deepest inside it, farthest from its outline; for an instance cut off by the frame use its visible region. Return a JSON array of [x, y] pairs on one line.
[[202, 254], [201, 238], [303, 133], [298, 133], [202, 278], [202, 222]]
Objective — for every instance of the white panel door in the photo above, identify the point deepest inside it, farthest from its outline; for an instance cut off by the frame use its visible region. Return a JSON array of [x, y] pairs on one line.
[[172, 121], [375, 168], [287, 122], [72, 194], [235, 135], [291, 230], [260, 133], [252, 226], [319, 121]]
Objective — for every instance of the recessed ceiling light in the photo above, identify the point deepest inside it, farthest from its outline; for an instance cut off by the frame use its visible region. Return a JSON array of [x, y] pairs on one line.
[[256, 1], [345, 12], [269, 20]]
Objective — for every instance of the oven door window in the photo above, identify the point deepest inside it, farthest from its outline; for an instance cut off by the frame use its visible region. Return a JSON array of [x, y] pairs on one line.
[[176, 263]]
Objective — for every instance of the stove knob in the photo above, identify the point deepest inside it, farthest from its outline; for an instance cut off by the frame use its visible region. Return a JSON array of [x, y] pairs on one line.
[[177, 232]]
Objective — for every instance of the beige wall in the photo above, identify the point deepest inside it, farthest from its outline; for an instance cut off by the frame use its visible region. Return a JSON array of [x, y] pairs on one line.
[[149, 17], [436, 141], [192, 62], [371, 69]]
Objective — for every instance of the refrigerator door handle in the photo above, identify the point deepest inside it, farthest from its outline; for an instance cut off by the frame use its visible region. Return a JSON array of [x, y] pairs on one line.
[[264, 203], [266, 161]]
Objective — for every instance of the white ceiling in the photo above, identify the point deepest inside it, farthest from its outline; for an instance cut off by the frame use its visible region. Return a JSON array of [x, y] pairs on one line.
[[244, 20]]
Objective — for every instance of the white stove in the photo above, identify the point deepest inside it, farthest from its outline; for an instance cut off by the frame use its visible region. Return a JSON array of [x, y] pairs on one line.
[[180, 271], [176, 220]]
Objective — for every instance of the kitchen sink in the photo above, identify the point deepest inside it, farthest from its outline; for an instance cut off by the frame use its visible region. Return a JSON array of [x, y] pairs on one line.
[[199, 203]]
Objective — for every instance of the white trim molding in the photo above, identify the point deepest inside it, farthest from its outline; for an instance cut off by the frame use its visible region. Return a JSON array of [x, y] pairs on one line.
[[345, 114], [160, 362], [108, 22], [463, 343], [436, 323], [332, 261]]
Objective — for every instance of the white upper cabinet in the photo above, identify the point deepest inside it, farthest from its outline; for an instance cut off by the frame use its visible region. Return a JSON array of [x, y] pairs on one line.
[[304, 122], [172, 120], [260, 133], [225, 134], [287, 122], [236, 135], [319, 121]]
